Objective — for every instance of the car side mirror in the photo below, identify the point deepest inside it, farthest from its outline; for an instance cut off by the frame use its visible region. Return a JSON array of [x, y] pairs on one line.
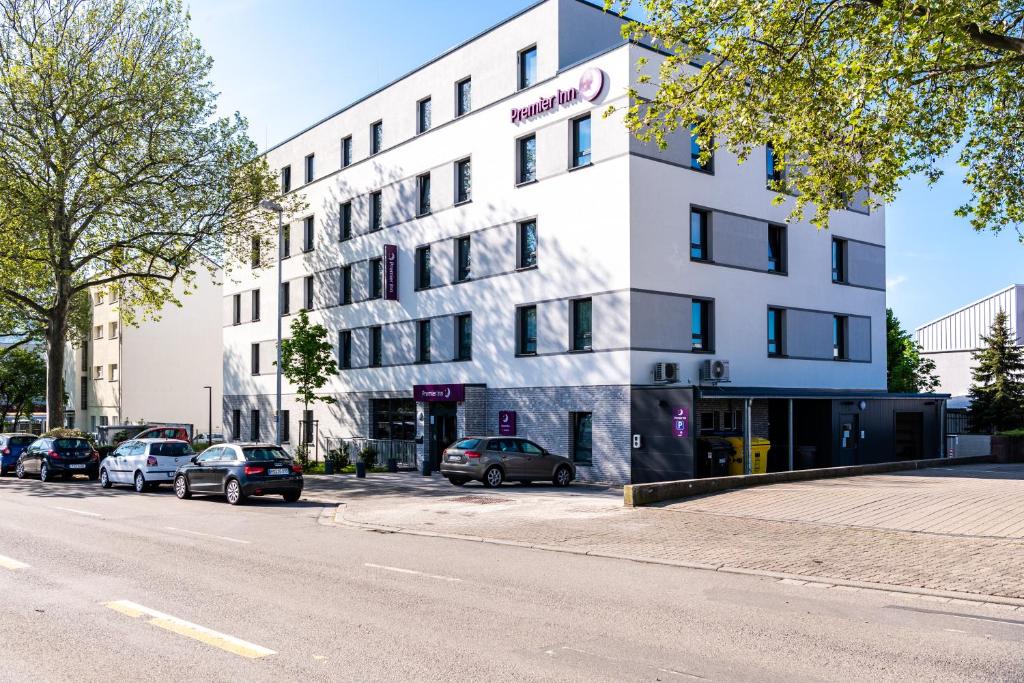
[[194, 459]]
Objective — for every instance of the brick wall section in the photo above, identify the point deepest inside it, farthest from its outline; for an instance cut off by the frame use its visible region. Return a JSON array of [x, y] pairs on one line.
[[758, 414]]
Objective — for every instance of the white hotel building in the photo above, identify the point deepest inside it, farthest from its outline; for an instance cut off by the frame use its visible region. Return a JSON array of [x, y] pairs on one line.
[[545, 262]]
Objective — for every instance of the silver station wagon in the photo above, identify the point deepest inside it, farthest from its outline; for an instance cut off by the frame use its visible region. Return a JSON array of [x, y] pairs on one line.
[[494, 459]]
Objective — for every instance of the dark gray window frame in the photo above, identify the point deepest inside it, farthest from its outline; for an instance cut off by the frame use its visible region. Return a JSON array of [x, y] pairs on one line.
[[423, 194], [345, 349], [423, 269], [463, 271], [705, 236], [376, 273], [346, 151], [780, 332], [520, 156], [376, 211], [521, 66], [461, 164], [459, 109], [423, 125], [376, 144], [345, 221], [309, 168], [579, 343], [462, 351], [521, 242], [707, 320], [521, 327], [423, 341], [574, 143], [376, 347]]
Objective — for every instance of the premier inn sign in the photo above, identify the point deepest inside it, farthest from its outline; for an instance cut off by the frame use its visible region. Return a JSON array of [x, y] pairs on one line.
[[591, 84]]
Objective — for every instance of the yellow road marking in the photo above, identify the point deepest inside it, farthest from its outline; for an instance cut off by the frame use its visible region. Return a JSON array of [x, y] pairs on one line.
[[10, 563], [189, 630]]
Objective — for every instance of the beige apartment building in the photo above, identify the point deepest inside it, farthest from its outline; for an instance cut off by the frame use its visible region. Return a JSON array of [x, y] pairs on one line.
[[157, 371]]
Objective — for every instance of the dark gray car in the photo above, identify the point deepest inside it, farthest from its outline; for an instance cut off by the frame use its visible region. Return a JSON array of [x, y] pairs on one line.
[[494, 459]]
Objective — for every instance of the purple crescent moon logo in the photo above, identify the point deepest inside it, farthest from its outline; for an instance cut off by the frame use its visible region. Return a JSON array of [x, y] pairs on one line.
[[591, 83], [448, 392]]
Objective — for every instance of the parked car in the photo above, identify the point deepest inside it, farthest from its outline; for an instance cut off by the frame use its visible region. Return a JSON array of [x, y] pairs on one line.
[[11, 446], [494, 459], [216, 437], [178, 433], [51, 457], [144, 463], [240, 470]]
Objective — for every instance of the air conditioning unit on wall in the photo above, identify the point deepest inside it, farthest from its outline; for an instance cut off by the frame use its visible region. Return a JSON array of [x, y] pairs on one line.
[[714, 371], [666, 373]]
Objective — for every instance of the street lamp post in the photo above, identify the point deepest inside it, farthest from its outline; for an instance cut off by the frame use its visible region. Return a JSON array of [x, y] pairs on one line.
[[209, 428], [268, 205]]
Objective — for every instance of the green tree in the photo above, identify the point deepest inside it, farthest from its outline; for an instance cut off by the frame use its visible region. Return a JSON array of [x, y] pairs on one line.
[[997, 394], [307, 361], [907, 371], [115, 173], [22, 382], [857, 95]]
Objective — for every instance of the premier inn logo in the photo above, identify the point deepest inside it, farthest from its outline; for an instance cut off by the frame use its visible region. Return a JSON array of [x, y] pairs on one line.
[[590, 86]]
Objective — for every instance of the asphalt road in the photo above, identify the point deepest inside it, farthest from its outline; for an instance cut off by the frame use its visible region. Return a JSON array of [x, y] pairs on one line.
[[107, 585]]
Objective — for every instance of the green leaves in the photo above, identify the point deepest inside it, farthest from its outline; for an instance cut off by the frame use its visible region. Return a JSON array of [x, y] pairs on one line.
[[307, 360], [907, 372]]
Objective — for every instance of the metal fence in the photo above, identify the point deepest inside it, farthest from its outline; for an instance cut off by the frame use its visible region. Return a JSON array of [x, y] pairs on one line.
[[958, 421], [402, 451]]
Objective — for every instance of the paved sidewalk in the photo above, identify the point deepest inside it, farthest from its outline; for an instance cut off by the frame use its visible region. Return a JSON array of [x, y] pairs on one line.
[[819, 533]]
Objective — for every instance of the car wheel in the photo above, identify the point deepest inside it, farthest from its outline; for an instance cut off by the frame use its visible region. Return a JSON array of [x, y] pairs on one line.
[[19, 470], [456, 481], [44, 472], [493, 477], [234, 492], [105, 479], [562, 476], [181, 487], [292, 496], [140, 483]]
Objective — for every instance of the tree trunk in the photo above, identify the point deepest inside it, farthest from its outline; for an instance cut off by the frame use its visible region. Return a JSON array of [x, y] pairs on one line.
[[56, 334]]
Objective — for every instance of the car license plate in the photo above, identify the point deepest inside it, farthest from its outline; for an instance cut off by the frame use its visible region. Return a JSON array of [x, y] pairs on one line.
[[454, 458], [277, 471], [77, 467]]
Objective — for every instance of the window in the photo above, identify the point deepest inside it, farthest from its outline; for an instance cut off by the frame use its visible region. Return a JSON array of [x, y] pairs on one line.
[[286, 241], [308, 289], [236, 425], [393, 419], [463, 181], [699, 236], [307, 234], [98, 372], [254, 358], [375, 347], [286, 426], [236, 309], [346, 151], [838, 260], [286, 179], [423, 341], [840, 324], [113, 371], [708, 422], [423, 267], [773, 173], [527, 331], [527, 159], [376, 214], [254, 253], [376, 278], [423, 194], [463, 263], [376, 137], [346, 285], [423, 115], [582, 324], [695, 151], [254, 425], [286, 298], [527, 238], [345, 221], [776, 248], [581, 141], [98, 332], [700, 326], [463, 97], [309, 168], [112, 330], [83, 394], [528, 67], [99, 297], [582, 438], [775, 341], [345, 349], [464, 336]]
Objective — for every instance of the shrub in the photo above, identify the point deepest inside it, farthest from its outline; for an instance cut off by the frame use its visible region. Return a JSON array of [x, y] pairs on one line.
[[302, 455], [369, 456], [120, 437], [339, 457], [65, 433]]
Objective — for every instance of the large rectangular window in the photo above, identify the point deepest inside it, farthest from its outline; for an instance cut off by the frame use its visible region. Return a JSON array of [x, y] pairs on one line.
[[286, 298], [701, 322], [695, 152], [345, 221], [376, 278], [527, 244], [463, 181], [699, 250], [376, 212], [840, 324], [376, 137], [526, 330], [423, 267], [286, 241], [83, 393], [254, 426], [581, 141], [527, 67], [775, 325], [463, 97], [393, 419], [423, 194], [310, 168], [236, 309], [236, 424], [345, 349], [423, 341], [776, 248], [423, 115], [527, 159], [346, 151], [346, 285], [464, 336], [773, 171], [582, 438], [255, 305], [582, 324], [463, 262], [376, 352], [254, 358], [307, 234], [308, 291], [838, 260], [286, 179]]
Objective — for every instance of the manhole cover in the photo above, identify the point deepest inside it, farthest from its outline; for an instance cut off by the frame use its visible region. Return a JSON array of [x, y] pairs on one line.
[[481, 500]]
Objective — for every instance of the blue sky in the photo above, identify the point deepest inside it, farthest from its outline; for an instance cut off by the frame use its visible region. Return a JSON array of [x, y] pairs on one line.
[[285, 65]]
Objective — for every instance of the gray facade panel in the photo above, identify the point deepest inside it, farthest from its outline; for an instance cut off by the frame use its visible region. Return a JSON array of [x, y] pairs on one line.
[[859, 338], [552, 326], [739, 241], [676, 151], [442, 339], [361, 348], [808, 334], [658, 321], [399, 342], [866, 266]]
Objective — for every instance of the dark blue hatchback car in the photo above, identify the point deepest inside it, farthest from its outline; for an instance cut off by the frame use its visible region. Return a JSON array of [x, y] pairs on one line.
[[11, 446], [52, 457], [239, 470]]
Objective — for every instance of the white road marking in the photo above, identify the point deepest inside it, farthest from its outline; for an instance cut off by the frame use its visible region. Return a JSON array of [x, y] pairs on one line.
[[199, 533], [954, 630], [411, 571], [188, 629], [11, 563], [78, 512]]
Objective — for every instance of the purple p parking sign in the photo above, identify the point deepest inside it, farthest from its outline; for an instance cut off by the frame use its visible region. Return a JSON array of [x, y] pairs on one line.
[[681, 422]]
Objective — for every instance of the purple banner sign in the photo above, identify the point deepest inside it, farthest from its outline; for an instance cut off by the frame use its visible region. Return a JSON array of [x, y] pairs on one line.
[[430, 393], [681, 422], [507, 422], [391, 272]]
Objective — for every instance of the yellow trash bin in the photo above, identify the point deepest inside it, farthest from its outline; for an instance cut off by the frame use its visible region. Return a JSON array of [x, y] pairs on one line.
[[758, 455]]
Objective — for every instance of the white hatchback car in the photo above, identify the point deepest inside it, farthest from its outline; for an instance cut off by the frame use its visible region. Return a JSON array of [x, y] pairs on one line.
[[144, 463]]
